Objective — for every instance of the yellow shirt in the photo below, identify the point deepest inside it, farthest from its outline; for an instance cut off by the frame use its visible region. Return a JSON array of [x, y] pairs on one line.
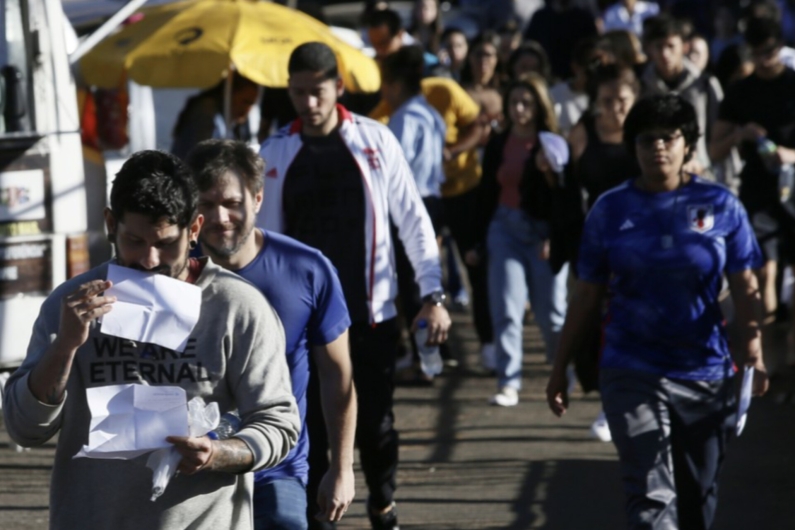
[[458, 110]]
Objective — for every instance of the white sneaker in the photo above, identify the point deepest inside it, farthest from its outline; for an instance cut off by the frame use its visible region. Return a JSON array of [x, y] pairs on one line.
[[488, 356], [508, 396], [600, 429]]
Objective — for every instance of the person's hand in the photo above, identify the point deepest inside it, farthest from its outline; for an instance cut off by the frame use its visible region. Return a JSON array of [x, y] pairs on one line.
[[335, 494], [438, 323], [542, 164], [693, 166], [761, 383], [785, 155], [751, 132], [79, 309], [557, 392], [472, 258], [543, 251], [197, 453]]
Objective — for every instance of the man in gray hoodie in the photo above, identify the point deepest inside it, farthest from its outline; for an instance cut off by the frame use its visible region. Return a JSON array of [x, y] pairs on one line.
[[670, 72], [234, 356]]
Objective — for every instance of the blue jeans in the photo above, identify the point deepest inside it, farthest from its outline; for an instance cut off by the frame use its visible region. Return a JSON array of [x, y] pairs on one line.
[[516, 269], [280, 505]]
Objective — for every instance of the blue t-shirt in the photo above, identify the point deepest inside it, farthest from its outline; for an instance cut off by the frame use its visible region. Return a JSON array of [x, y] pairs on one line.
[[303, 288], [663, 256]]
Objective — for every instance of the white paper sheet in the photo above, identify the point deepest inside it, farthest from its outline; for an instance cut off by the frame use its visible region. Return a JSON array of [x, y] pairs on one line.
[[151, 308], [745, 398], [130, 420]]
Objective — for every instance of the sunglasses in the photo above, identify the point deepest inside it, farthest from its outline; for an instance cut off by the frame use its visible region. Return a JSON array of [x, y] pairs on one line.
[[649, 140]]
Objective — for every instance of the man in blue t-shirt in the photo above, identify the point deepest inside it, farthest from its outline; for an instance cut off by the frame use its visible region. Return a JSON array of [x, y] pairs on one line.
[[303, 288]]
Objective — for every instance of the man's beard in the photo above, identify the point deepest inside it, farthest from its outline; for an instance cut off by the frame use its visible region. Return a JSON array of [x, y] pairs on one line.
[[230, 249], [166, 270]]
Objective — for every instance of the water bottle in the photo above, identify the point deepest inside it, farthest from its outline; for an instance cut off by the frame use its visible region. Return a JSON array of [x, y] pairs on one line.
[[230, 423], [767, 152], [786, 182], [430, 360]]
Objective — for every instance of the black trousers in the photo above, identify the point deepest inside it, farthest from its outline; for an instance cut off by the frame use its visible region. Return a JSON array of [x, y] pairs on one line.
[[459, 214], [373, 355], [671, 437]]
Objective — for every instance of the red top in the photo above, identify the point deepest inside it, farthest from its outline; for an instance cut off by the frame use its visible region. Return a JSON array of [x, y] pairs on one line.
[[509, 176]]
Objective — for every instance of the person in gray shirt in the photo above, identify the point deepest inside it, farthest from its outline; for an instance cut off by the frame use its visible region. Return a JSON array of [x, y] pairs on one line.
[[234, 356]]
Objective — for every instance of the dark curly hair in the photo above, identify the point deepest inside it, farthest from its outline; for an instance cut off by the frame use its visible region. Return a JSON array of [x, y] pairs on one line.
[[211, 159], [155, 184], [667, 112]]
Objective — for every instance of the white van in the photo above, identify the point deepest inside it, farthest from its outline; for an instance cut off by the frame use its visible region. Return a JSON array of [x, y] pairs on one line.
[[43, 208]]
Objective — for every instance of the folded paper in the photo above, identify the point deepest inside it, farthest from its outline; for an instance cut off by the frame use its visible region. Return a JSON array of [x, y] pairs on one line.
[[151, 308]]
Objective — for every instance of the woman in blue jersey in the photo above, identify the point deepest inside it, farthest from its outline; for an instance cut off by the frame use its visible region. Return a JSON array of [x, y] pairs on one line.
[[662, 243]]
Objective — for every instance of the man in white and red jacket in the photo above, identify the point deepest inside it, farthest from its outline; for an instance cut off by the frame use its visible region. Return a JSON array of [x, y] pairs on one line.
[[334, 180]]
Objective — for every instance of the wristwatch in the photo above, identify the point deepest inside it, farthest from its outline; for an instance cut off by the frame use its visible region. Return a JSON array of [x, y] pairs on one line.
[[436, 298]]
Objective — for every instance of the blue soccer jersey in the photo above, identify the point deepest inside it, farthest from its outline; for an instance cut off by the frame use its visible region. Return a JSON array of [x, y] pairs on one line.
[[663, 256], [303, 288]]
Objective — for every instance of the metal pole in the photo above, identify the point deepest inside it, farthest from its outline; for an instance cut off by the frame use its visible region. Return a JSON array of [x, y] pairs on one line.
[[105, 29], [228, 103]]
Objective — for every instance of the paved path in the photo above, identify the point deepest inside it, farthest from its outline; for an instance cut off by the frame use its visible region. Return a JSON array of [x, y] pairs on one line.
[[466, 465]]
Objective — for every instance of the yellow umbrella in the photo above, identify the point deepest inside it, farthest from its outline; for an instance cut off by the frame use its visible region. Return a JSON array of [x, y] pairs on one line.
[[194, 42]]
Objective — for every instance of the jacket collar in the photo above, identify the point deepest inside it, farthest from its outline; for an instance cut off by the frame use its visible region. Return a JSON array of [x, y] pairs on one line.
[[344, 116]]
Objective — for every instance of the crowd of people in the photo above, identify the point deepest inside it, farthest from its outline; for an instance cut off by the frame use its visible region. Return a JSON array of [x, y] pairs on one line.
[[614, 169]]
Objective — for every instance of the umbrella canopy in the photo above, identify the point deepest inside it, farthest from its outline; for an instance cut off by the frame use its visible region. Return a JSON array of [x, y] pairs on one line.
[[193, 44]]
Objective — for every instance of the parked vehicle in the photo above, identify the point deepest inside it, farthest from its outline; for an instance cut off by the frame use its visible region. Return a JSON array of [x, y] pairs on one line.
[[43, 206]]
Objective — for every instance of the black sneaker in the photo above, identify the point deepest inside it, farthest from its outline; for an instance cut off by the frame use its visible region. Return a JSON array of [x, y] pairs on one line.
[[384, 521]]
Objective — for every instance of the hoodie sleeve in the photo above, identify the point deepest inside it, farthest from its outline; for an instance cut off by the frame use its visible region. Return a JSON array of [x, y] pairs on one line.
[[259, 379]]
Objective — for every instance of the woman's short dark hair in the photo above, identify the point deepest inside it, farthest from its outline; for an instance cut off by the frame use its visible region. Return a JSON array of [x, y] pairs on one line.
[[211, 159], [662, 112], [155, 184]]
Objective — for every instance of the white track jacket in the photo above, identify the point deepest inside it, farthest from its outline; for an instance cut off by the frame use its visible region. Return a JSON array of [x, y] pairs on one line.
[[390, 191]]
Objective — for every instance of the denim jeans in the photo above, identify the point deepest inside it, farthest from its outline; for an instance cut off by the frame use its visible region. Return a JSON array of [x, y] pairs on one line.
[[280, 505], [516, 269], [671, 437]]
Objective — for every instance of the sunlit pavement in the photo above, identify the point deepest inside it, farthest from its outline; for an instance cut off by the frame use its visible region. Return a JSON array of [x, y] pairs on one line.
[[467, 465]]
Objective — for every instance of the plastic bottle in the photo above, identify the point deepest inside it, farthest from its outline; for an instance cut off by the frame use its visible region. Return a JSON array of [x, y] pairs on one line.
[[230, 423], [767, 152], [430, 360], [786, 182]]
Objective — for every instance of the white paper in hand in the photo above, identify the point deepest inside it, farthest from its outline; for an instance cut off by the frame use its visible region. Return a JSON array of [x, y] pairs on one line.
[[130, 420], [745, 398], [151, 308]]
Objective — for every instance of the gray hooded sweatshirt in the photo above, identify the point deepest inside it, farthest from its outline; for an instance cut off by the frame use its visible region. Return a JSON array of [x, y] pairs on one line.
[[235, 356], [700, 90]]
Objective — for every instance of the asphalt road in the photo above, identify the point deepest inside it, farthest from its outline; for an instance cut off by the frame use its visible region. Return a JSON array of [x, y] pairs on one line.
[[467, 465]]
